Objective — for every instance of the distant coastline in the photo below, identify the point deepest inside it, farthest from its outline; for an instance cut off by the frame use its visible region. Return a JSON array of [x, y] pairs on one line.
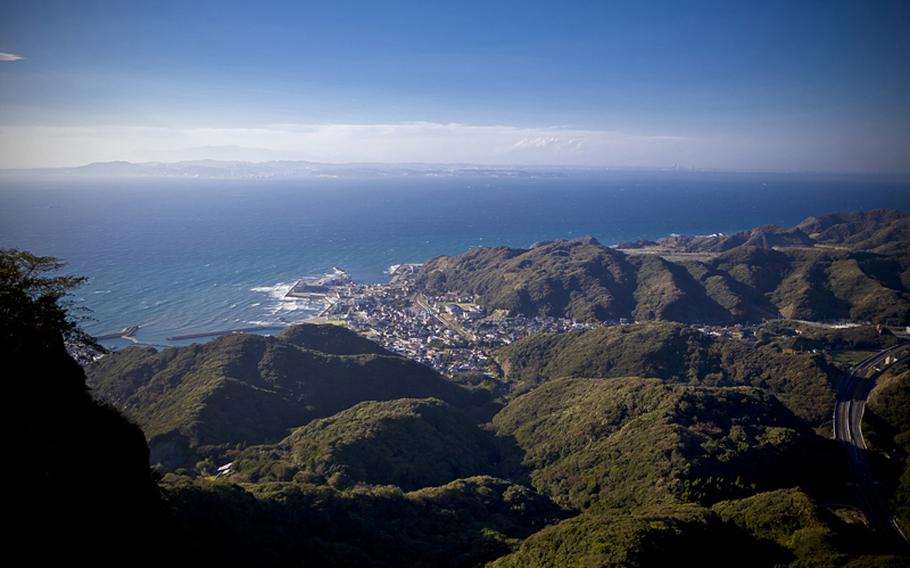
[[303, 169], [209, 265]]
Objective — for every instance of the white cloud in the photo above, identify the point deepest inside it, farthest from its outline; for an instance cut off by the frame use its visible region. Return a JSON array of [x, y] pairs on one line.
[[41, 146], [10, 57], [431, 142], [555, 142]]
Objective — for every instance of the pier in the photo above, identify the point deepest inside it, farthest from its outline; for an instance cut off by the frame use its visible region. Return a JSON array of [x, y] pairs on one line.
[[321, 287], [126, 333]]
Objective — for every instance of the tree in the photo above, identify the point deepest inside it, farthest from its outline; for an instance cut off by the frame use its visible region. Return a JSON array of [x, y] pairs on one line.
[[89, 490], [33, 302]]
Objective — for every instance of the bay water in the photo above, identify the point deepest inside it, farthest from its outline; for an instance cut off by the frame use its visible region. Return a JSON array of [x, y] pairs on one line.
[[179, 256]]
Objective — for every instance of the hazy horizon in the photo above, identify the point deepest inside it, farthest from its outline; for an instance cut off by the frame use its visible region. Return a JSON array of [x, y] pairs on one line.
[[775, 86], [97, 168]]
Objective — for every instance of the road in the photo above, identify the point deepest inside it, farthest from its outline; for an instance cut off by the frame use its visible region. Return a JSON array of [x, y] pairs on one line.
[[848, 430], [424, 304]]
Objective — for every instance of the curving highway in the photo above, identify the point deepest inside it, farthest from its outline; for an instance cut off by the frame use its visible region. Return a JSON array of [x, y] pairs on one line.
[[848, 429]]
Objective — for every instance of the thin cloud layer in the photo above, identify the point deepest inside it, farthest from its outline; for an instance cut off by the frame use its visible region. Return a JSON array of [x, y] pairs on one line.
[[10, 57], [38, 146], [430, 142]]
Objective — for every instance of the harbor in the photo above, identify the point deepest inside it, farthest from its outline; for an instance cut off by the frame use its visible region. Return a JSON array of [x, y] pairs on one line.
[[449, 333], [320, 288]]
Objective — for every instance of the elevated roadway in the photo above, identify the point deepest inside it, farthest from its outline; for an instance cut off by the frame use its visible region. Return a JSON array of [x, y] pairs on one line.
[[848, 430]]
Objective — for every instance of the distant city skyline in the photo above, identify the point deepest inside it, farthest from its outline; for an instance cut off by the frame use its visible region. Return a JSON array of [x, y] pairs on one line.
[[781, 86]]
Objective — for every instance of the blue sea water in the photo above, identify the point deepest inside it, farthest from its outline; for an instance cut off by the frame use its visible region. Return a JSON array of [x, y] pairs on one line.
[[179, 256]]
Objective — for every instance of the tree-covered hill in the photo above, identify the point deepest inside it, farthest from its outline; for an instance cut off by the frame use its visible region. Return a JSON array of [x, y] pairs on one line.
[[817, 284], [330, 339], [410, 443], [778, 528], [463, 523], [198, 401], [887, 421], [798, 336], [858, 230], [80, 486], [344, 454], [627, 443], [854, 266], [804, 382], [876, 230], [656, 536], [578, 278], [766, 236], [804, 531]]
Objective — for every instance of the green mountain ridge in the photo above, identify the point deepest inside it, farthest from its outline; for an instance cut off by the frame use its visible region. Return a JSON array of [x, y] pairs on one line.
[[463, 523], [199, 401], [628, 443], [887, 429], [860, 230], [769, 272], [866, 230], [410, 443], [677, 353], [784, 527], [657, 536], [789, 335], [766, 236], [342, 453]]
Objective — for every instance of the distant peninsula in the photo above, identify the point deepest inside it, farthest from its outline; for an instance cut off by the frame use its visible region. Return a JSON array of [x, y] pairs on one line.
[[285, 169]]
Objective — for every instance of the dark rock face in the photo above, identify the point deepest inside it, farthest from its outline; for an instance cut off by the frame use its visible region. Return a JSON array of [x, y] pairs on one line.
[[85, 471]]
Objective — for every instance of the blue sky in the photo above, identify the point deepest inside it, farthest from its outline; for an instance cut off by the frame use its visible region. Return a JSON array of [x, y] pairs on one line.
[[796, 85]]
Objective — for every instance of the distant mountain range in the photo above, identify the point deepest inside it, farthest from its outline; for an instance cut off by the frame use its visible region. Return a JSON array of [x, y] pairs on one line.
[[222, 169], [849, 266], [879, 230], [281, 169]]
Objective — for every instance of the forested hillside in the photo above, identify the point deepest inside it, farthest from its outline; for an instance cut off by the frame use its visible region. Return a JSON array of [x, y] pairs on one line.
[[632, 445], [851, 266]]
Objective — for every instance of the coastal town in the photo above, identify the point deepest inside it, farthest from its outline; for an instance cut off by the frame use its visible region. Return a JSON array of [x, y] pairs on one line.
[[453, 334], [450, 333]]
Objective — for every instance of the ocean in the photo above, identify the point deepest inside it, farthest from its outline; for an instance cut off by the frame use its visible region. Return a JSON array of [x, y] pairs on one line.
[[181, 256]]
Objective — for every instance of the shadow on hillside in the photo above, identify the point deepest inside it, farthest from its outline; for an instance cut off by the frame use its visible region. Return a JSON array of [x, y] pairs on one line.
[[510, 465]]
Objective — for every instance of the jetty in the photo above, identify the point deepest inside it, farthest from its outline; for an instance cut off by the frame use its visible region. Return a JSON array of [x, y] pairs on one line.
[[126, 333], [321, 287]]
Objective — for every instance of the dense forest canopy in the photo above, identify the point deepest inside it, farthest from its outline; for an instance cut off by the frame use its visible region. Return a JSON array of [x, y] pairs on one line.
[[627, 445]]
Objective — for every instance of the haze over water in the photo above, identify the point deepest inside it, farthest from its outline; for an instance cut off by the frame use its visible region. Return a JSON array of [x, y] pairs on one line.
[[184, 256]]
